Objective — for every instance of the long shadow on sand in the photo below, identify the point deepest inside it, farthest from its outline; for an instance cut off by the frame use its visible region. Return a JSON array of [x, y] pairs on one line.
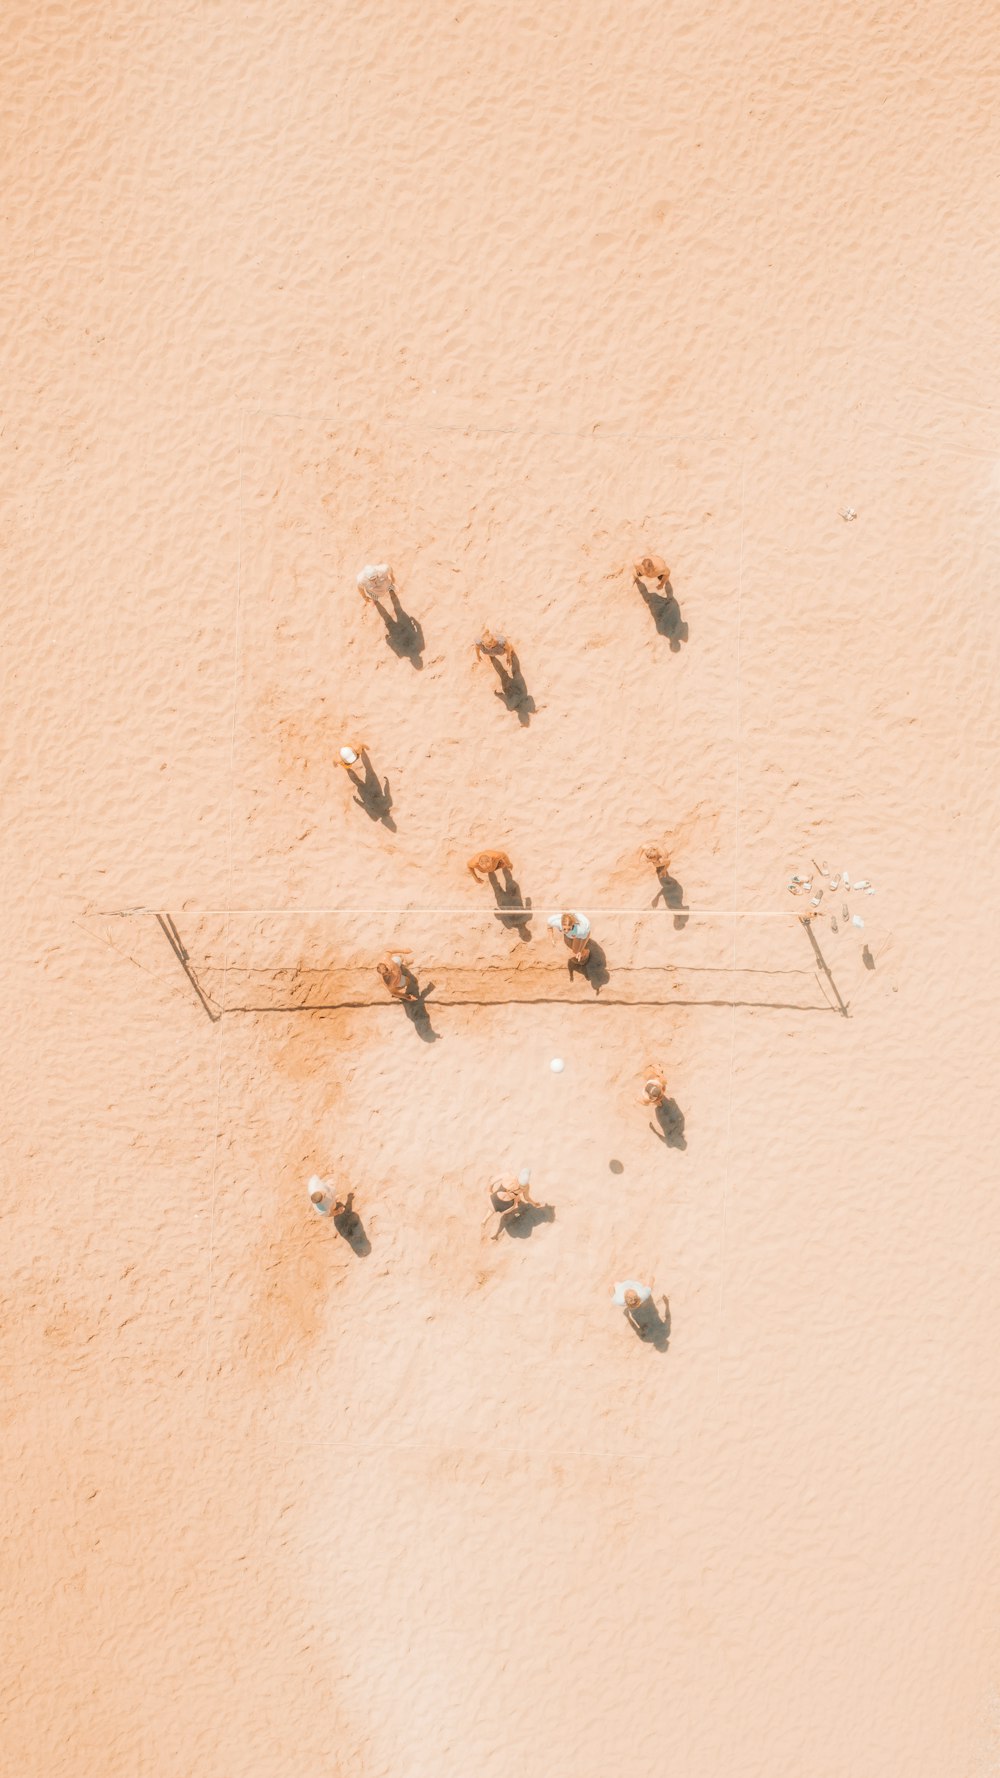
[[666, 615], [374, 795], [654, 1327], [672, 895], [595, 970], [350, 1226], [669, 1124], [513, 692], [512, 909], [416, 1010], [402, 632]]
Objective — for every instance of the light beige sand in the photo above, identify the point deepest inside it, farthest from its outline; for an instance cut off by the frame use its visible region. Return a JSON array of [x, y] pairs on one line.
[[504, 298]]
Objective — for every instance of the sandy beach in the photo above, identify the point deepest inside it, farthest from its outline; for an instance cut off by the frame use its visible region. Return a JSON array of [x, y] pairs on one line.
[[506, 300]]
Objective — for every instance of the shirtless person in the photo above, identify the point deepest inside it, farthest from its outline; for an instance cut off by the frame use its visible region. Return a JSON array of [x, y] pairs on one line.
[[488, 863], [495, 648], [651, 568], [510, 1200], [375, 580], [654, 1086], [396, 976], [660, 861]]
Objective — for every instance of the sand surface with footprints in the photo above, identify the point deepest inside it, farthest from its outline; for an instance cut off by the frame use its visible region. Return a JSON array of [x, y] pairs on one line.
[[505, 302]]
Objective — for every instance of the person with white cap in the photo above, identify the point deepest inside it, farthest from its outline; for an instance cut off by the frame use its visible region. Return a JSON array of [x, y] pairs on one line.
[[510, 1200], [630, 1295], [352, 755], [376, 578], [575, 929]]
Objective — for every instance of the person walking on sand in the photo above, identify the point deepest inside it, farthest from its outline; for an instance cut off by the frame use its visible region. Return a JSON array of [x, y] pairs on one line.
[[649, 568], [654, 1086], [575, 929], [495, 648], [322, 1199], [486, 864], [375, 580], [396, 976], [510, 1200], [630, 1295]]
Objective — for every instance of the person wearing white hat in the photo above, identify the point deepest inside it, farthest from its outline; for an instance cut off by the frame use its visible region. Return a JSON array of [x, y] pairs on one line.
[[351, 755], [376, 578]]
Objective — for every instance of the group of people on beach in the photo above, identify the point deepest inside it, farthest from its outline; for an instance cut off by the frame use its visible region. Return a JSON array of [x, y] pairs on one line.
[[509, 1202]]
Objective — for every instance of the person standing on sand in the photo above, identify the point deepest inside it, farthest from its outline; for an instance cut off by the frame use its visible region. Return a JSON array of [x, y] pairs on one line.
[[396, 976], [321, 1198], [352, 755], [659, 860], [510, 1200], [654, 1087], [649, 568], [630, 1295], [486, 864], [495, 648], [575, 929], [375, 580]]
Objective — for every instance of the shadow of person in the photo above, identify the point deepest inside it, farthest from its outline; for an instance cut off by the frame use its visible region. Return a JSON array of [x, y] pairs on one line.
[[350, 1225], [513, 691], [374, 796], [669, 1125], [653, 1327], [673, 897], [403, 633], [595, 970], [666, 615], [416, 1009], [513, 911], [528, 1218]]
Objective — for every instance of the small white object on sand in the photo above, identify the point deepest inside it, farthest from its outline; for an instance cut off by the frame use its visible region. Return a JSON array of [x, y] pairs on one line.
[[856, 920], [557, 1064]]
